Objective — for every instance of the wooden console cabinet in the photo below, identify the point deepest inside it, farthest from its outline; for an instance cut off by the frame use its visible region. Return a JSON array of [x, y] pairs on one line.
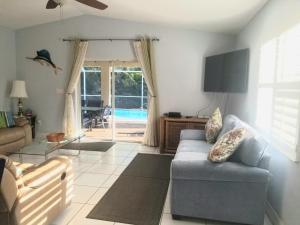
[[170, 129]]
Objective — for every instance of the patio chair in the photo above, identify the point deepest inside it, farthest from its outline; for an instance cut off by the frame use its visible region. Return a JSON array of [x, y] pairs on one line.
[[103, 116], [90, 115], [87, 120]]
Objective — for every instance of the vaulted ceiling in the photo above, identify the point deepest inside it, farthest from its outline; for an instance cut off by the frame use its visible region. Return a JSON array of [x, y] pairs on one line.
[[227, 16]]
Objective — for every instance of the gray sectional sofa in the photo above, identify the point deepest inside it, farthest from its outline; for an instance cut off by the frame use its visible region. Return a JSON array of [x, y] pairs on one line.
[[233, 191]]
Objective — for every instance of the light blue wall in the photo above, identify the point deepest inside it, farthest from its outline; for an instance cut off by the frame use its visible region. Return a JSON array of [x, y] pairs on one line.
[[7, 66], [179, 66], [276, 17], [179, 61]]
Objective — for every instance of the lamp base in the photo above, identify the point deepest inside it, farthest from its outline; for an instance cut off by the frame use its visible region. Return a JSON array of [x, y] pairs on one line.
[[20, 108]]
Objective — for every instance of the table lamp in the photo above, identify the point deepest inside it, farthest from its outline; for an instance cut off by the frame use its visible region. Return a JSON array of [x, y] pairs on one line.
[[19, 91]]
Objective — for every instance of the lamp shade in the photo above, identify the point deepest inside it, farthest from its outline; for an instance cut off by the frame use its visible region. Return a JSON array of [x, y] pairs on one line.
[[18, 89]]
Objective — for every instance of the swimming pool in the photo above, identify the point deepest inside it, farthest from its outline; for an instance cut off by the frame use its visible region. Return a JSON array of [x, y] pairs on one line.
[[134, 114]]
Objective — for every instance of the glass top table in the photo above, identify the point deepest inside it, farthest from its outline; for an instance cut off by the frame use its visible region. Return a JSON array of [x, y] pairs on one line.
[[42, 147]]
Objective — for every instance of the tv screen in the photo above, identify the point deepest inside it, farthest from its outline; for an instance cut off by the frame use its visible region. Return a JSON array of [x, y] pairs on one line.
[[227, 72]]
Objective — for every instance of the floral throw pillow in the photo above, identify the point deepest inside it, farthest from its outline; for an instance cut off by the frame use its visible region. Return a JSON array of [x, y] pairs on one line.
[[226, 145], [213, 126]]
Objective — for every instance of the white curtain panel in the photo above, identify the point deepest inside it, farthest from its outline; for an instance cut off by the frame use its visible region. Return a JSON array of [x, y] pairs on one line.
[[145, 55], [69, 123]]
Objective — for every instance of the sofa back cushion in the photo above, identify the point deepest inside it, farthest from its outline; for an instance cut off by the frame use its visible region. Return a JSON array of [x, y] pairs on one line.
[[10, 182], [9, 165], [252, 149], [229, 122]]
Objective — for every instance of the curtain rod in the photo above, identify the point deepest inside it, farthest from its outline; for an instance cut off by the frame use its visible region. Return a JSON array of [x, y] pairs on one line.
[[108, 39]]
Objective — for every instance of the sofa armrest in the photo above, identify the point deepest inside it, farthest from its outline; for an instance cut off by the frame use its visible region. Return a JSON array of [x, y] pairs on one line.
[[55, 168], [219, 172], [190, 134], [28, 134], [265, 161]]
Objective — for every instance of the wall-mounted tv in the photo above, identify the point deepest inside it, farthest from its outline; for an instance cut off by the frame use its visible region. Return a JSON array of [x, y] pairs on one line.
[[227, 72]]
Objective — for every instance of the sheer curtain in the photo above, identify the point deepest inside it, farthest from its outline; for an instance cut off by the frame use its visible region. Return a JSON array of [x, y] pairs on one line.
[[69, 123], [145, 55]]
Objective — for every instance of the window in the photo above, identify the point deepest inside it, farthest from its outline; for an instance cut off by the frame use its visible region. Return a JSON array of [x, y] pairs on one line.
[[278, 108], [91, 86], [130, 88]]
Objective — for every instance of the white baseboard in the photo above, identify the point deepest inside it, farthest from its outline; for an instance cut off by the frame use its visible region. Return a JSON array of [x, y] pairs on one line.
[[273, 216]]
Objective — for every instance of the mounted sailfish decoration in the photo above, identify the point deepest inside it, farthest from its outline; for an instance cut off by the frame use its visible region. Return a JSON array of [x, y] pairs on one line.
[[43, 57]]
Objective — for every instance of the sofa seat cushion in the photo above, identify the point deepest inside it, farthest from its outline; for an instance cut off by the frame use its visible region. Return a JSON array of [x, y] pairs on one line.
[[8, 135], [190, 156], [193, 146], [186, 168]]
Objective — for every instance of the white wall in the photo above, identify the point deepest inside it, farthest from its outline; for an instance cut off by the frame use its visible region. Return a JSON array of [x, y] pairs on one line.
[[7, 66], [276, 17], [179, 61]]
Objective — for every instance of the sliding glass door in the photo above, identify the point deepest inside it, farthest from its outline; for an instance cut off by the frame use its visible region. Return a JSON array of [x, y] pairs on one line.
[[129, 103], [95, 118], [114, 102]]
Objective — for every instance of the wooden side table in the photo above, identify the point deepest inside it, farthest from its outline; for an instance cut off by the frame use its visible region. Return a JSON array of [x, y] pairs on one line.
[[32, 120], [170, 129]]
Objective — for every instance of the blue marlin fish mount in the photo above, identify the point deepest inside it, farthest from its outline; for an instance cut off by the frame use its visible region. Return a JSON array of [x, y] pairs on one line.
[[43, 57]]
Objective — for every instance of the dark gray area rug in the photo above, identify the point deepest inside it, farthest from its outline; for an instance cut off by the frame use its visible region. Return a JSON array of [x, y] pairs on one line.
[[138, 195], [90, 146]]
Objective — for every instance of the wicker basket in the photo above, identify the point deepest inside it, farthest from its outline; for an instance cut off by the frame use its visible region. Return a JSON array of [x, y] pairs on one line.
[[55, 137]]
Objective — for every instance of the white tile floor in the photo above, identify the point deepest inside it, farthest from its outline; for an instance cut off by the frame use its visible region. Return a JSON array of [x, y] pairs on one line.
[[95, 172]]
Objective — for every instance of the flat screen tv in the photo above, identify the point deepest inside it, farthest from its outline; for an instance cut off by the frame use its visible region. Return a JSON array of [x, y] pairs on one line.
[[227, 72]]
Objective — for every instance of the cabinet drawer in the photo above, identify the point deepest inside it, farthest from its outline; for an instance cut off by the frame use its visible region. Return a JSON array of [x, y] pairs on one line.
[[196, 126], [173, 130]]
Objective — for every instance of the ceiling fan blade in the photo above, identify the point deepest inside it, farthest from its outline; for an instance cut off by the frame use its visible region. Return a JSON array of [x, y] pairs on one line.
[[51, 4], [93, 3]]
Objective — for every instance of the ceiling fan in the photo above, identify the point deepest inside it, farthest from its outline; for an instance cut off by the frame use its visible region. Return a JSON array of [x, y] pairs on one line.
[[52, 4]]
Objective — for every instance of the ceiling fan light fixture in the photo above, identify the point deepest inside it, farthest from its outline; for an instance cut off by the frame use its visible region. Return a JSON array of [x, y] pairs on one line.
[[52, 4], [60, 2]]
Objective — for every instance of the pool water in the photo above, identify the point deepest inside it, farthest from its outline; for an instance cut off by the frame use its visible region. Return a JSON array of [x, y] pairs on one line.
[[134, 114]]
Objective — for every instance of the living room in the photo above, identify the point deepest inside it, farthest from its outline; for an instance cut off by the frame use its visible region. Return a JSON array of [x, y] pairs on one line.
[[170, 42]]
